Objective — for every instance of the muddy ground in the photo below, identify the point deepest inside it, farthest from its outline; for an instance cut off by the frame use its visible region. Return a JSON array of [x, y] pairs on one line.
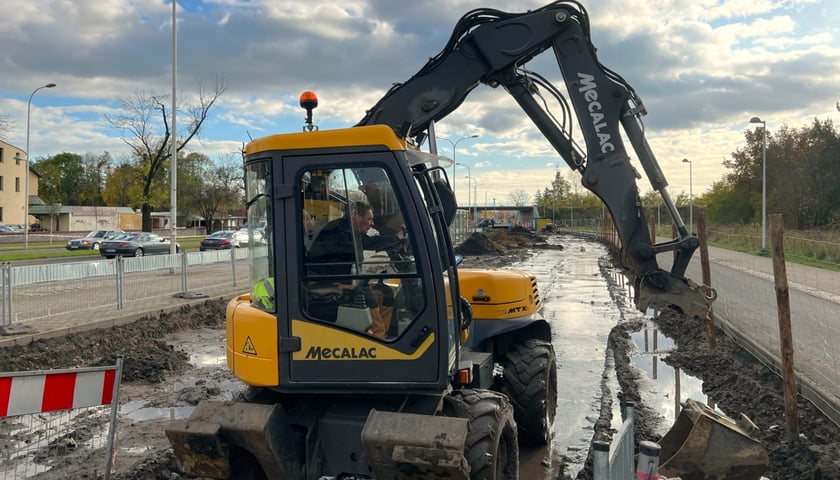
[[157, 372]]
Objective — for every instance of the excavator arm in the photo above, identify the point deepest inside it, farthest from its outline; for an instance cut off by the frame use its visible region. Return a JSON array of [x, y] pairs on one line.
[[492, 47]]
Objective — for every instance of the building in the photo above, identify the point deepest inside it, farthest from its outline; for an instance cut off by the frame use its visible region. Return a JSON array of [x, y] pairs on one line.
[[13, 186]]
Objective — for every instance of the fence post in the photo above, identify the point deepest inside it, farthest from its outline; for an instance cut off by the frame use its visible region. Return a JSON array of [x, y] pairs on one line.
[[600, 460], [112, 428], [703, 237], [777, 245], [648, 466], [184, 271], [233, 263], [119, 270], [5, 286]]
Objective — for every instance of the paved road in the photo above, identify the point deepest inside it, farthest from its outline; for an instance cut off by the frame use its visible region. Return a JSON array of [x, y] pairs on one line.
[[747, 304]]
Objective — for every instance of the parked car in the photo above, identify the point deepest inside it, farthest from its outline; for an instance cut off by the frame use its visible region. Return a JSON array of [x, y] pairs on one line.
[[7, 229], [224, 239], [93, 240], [136, 245]]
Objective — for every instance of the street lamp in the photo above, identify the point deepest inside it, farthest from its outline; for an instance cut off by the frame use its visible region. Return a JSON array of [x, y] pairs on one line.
[[454, 146], [763, 180], [468, 175], [690, 197], [474, 204], [26, 170]]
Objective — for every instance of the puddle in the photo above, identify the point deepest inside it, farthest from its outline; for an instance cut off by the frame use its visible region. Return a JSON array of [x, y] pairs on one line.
[[138, 411], [206, 348], [671, 386]]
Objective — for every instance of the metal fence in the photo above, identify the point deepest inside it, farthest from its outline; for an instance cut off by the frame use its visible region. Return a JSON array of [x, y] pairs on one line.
[[34, 295], [48, 416], [614, 460]]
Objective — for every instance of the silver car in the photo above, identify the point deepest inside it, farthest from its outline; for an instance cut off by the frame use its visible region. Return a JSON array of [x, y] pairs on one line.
[[92, 240]]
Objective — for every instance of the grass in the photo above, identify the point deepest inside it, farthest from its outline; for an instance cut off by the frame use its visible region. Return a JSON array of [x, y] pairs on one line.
[[42, 249], [815, 248]]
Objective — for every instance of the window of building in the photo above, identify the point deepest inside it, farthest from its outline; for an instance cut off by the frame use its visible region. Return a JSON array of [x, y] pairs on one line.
[[1, 154], [1, 214], [1, 183], [17, 184]]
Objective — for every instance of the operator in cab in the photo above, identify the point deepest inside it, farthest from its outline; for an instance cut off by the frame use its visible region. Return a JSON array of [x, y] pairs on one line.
[[339, 247]]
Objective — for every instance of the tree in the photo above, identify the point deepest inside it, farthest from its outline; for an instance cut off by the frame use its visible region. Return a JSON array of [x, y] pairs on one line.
[[550, 201], [61, 176], [803, 177], [5, 125], [124, 184], [216, 189], [72, 179], [146, 125], [519, 198]]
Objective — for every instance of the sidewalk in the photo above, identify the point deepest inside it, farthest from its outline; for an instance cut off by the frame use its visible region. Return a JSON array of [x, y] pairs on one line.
[[106, 317]]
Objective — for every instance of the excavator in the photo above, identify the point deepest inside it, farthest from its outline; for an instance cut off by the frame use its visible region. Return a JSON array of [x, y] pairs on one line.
[[390, 360]]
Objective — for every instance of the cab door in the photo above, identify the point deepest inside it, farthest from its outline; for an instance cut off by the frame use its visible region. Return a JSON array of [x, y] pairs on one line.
[[362, 299]]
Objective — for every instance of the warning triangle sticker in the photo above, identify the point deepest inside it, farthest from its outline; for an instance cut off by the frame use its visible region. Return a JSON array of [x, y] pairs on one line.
[[248, 348]]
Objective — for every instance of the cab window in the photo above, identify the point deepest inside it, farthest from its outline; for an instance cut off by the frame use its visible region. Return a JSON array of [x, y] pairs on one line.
[[358, 270]]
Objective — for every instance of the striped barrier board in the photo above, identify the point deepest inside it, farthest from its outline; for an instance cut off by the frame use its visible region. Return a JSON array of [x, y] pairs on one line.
[[43, 391], [23, 393]]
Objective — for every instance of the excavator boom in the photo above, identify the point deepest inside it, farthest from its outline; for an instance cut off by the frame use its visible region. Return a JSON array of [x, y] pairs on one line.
[[491, 47]]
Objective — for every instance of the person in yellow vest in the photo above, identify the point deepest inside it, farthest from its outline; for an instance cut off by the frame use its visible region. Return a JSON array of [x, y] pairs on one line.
[[263, 295]]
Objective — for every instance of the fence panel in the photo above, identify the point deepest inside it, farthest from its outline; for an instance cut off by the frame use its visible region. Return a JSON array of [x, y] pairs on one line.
[[67, 411]]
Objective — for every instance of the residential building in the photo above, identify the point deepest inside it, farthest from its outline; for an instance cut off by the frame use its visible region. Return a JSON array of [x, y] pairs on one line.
[[13, 186]]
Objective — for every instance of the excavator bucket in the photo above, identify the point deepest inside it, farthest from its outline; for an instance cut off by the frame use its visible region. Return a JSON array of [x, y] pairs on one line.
[[408, 446], [706, 445]]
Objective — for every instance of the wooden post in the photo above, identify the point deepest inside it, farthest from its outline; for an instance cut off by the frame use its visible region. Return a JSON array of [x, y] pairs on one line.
[[652, 229], [703, 237], [674, 234], [777, 246]]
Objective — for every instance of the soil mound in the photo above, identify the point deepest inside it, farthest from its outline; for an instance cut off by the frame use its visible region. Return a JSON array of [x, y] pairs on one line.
[[478, 244]]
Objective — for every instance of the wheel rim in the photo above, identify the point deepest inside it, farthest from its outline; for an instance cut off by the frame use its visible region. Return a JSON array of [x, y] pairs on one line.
[[138, 252], [95, 246]]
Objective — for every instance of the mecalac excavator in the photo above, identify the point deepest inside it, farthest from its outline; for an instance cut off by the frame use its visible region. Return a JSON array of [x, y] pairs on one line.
[[388, 360]]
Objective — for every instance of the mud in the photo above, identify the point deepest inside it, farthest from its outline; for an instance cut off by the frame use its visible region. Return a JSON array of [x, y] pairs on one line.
[[159, 374]]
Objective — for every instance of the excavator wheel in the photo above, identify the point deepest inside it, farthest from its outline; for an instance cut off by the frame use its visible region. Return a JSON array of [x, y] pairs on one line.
[[491, 449], [530, 382]]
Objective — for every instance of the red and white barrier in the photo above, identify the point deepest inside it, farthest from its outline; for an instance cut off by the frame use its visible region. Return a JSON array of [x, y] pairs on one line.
[[36, 392]]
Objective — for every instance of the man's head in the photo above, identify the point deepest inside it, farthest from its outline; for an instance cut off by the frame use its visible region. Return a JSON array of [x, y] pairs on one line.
[[362, 217]]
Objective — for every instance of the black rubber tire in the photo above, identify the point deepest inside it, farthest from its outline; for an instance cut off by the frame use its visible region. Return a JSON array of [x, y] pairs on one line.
[[138, 252], [95, 246], [492, 449], [530, 382]]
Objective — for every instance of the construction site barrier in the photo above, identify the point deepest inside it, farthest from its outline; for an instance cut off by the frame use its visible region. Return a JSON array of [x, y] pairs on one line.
[[49, 405], [614, 460]]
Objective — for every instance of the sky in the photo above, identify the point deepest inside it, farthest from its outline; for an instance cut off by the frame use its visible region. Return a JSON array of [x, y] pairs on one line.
[[703, 68]]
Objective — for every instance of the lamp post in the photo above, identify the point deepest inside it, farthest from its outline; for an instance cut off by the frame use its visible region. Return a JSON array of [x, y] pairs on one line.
[[474, 205], [763, 181], [690, 196], [468, 176], [26, 170], [454, 146]]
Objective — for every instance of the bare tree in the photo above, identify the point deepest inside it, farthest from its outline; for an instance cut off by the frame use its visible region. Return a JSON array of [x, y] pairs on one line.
[[146, 126], [519, 198], [5, 124]]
